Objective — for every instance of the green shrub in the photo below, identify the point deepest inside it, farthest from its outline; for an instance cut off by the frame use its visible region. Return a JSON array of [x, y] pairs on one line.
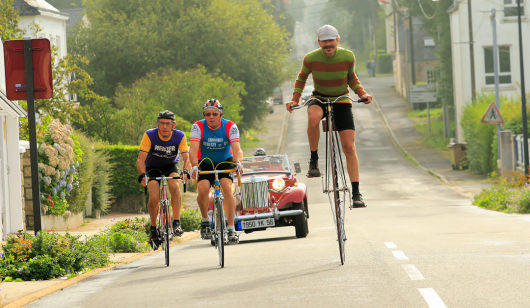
[[78, 197], [129, 235], [479, 136], [505, 197], [49, 255], [190, 220], [101, 186], [123, 173]]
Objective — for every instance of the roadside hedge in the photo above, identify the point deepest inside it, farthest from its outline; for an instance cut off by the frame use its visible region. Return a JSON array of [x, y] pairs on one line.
[[123, 177]]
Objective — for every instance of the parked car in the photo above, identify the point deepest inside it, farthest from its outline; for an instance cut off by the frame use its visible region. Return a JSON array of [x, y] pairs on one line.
[[270, 196]]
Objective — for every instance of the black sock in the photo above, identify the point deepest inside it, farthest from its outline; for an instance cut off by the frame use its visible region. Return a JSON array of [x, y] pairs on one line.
[[176, 221], [355, 187], [314, 155]]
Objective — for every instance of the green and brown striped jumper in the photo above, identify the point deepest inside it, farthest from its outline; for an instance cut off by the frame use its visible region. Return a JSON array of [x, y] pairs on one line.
[[331, 75]]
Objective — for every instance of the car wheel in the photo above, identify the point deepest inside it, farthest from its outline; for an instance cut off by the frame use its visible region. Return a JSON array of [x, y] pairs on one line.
[[300, 224]]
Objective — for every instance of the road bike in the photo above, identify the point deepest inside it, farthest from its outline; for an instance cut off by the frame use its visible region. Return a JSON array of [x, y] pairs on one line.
[[218, 234], [334, 183], [164, 224]]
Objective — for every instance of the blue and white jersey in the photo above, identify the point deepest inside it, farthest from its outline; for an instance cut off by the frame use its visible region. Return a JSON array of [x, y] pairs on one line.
[[215, 143]]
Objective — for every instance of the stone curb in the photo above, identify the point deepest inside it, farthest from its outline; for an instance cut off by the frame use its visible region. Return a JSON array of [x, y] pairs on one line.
[[61, 285]]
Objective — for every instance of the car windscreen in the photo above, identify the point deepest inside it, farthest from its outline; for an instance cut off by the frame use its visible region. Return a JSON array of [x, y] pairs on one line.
[[269, 163]]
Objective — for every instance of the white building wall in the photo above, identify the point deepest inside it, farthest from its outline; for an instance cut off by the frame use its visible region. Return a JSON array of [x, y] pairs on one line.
[[53, 27], [507, 34]]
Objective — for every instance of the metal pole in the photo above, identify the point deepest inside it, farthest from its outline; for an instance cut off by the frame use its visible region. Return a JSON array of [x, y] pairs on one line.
[[35, 185], [496, 74], [523, 94], [471, 49], [412, 64]]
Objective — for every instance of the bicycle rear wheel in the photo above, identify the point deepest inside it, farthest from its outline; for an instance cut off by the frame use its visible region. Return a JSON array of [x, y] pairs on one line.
[[166, 219], [219, 231], [333, 175]]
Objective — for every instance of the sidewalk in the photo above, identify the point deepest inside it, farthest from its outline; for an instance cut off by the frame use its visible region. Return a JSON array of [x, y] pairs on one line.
[[393, 110]]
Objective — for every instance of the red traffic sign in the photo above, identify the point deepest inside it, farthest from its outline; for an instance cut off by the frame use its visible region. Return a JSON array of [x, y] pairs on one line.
[[492, 115], [16, 73]]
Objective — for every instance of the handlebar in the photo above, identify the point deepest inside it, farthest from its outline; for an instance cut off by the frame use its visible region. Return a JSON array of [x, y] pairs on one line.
[[326, 102], [221, 171]]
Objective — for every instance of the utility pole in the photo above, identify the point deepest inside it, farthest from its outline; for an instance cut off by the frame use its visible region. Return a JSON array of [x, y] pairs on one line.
[[411, 37], [471, 49], [523, 94], [496, 73]]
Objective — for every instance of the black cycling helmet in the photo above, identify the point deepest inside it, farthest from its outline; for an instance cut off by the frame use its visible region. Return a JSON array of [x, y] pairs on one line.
[[166, 114], [212, 104], [260, 152]]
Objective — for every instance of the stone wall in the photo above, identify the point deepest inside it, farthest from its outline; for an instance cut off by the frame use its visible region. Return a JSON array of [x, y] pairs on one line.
[[27, 196]]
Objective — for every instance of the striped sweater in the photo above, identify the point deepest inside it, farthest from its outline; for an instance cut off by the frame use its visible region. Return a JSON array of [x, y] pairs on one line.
[[331, 75]]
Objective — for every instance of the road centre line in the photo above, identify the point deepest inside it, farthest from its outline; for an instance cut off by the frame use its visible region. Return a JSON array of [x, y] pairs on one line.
[[432, 298], [400, 255], [413, 272], [390, 245]]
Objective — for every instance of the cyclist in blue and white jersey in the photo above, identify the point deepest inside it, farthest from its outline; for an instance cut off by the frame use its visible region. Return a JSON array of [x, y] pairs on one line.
[[214, 140]]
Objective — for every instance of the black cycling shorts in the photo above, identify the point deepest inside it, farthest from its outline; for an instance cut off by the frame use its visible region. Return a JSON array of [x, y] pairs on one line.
[[341, 112], [206, 165], [166, 170]]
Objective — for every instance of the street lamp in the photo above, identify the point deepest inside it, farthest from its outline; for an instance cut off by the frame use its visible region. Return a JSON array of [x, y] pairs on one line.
[[523, 94]]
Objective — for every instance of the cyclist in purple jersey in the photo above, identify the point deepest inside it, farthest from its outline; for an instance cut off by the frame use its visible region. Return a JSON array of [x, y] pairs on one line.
[[214, 140], [159, 156]]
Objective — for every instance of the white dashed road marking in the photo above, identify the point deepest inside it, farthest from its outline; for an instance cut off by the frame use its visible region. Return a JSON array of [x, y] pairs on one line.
[[413, 272], [432, 298], [400, 255], [390, 245]]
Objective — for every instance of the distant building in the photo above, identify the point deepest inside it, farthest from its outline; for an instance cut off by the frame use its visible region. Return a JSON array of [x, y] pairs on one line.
[[508, 43]]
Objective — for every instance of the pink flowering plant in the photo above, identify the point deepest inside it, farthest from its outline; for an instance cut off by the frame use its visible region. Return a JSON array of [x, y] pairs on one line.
[[59, 156]]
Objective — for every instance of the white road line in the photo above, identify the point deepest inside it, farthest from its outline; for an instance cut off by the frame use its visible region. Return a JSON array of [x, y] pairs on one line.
[[432, 298], [390, 245], [413, 272], [400, 255]]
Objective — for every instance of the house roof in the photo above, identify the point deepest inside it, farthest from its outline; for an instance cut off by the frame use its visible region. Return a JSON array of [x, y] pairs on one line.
[[10, 106], [34, 7]]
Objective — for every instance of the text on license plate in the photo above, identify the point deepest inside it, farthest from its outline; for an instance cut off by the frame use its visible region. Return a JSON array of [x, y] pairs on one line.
[[259, 223]]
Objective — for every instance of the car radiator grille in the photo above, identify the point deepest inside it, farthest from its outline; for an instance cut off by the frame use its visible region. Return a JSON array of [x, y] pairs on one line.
[[255, 193]]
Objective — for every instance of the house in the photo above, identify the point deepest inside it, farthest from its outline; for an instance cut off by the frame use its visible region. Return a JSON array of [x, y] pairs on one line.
[[508, 43], [50, 20], [11, 217], [415, 59]]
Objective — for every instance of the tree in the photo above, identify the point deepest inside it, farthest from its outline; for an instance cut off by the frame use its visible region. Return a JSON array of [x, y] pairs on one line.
[[128, 39], [183, 92], [9, 19]]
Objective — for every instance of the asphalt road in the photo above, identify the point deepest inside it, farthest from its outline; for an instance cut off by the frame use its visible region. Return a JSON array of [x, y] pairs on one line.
[[417, 244]]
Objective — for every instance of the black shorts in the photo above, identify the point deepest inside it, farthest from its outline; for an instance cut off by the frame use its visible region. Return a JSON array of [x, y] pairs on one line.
[[341, 112], [166, 170], [206, 165]]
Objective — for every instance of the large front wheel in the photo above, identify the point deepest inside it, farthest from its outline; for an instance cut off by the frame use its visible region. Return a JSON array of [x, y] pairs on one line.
[[219, 231]]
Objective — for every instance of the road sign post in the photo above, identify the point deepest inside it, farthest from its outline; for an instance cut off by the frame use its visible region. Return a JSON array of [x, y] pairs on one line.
[[28, 62]]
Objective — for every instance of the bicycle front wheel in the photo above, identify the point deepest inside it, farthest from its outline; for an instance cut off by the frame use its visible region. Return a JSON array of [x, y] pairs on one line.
[[166, 220], [336, 202], [219, 231]]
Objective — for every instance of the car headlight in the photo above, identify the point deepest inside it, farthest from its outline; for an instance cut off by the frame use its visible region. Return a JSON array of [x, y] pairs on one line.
[[278, 184]]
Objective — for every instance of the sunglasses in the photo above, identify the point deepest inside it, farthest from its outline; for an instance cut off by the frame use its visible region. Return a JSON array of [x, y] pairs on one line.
[[213, 114]]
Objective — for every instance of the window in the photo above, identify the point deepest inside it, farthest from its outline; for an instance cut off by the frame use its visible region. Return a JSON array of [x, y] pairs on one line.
[[505, 75], [510, 8]]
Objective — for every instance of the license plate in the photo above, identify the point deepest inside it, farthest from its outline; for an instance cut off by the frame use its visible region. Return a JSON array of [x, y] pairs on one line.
[[259, 223]]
